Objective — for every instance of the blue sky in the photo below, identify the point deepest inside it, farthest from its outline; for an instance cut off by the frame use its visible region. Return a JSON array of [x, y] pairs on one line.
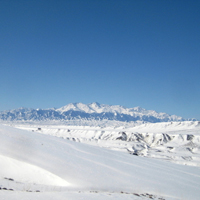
[[117, 52]]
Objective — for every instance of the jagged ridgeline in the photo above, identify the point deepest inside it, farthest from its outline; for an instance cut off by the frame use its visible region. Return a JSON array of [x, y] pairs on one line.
[[93, 111]]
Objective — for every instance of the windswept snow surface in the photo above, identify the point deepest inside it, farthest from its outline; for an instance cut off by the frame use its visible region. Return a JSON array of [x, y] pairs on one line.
[[63, 169], [177, 142]]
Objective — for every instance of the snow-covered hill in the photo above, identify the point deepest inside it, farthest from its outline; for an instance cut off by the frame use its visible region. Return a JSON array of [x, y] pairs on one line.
[[38, 166], [177, 142], [93, 111]]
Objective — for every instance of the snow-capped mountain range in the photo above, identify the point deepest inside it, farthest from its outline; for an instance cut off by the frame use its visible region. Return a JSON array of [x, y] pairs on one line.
[[92, 111]]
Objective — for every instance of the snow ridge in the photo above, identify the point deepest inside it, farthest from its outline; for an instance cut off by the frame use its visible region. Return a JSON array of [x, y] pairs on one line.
[[92, 111]]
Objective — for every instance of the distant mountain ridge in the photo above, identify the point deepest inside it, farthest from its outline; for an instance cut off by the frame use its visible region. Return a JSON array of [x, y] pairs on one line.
[[92, 111]]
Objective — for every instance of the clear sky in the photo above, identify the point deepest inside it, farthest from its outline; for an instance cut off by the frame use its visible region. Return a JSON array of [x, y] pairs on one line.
[[119, 52]]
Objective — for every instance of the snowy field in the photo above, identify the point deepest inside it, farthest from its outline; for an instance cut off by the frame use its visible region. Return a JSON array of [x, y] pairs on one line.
[[177, 142], [146, 161]]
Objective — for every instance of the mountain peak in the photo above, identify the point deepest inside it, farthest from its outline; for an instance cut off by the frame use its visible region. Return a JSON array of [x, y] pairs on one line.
[[92, 111], [138, 109], [95, 104]]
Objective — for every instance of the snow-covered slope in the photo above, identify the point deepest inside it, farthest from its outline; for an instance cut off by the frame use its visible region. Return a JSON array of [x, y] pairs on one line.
[[177, 142], [79, 171], [93, 111]]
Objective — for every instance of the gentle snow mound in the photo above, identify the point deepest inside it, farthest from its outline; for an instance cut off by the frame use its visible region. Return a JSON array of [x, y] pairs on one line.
[[24, 172], [90, 168]]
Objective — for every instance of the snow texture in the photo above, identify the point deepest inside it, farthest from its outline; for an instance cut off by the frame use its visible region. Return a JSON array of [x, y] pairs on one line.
[[177, 142], [39, 166]]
